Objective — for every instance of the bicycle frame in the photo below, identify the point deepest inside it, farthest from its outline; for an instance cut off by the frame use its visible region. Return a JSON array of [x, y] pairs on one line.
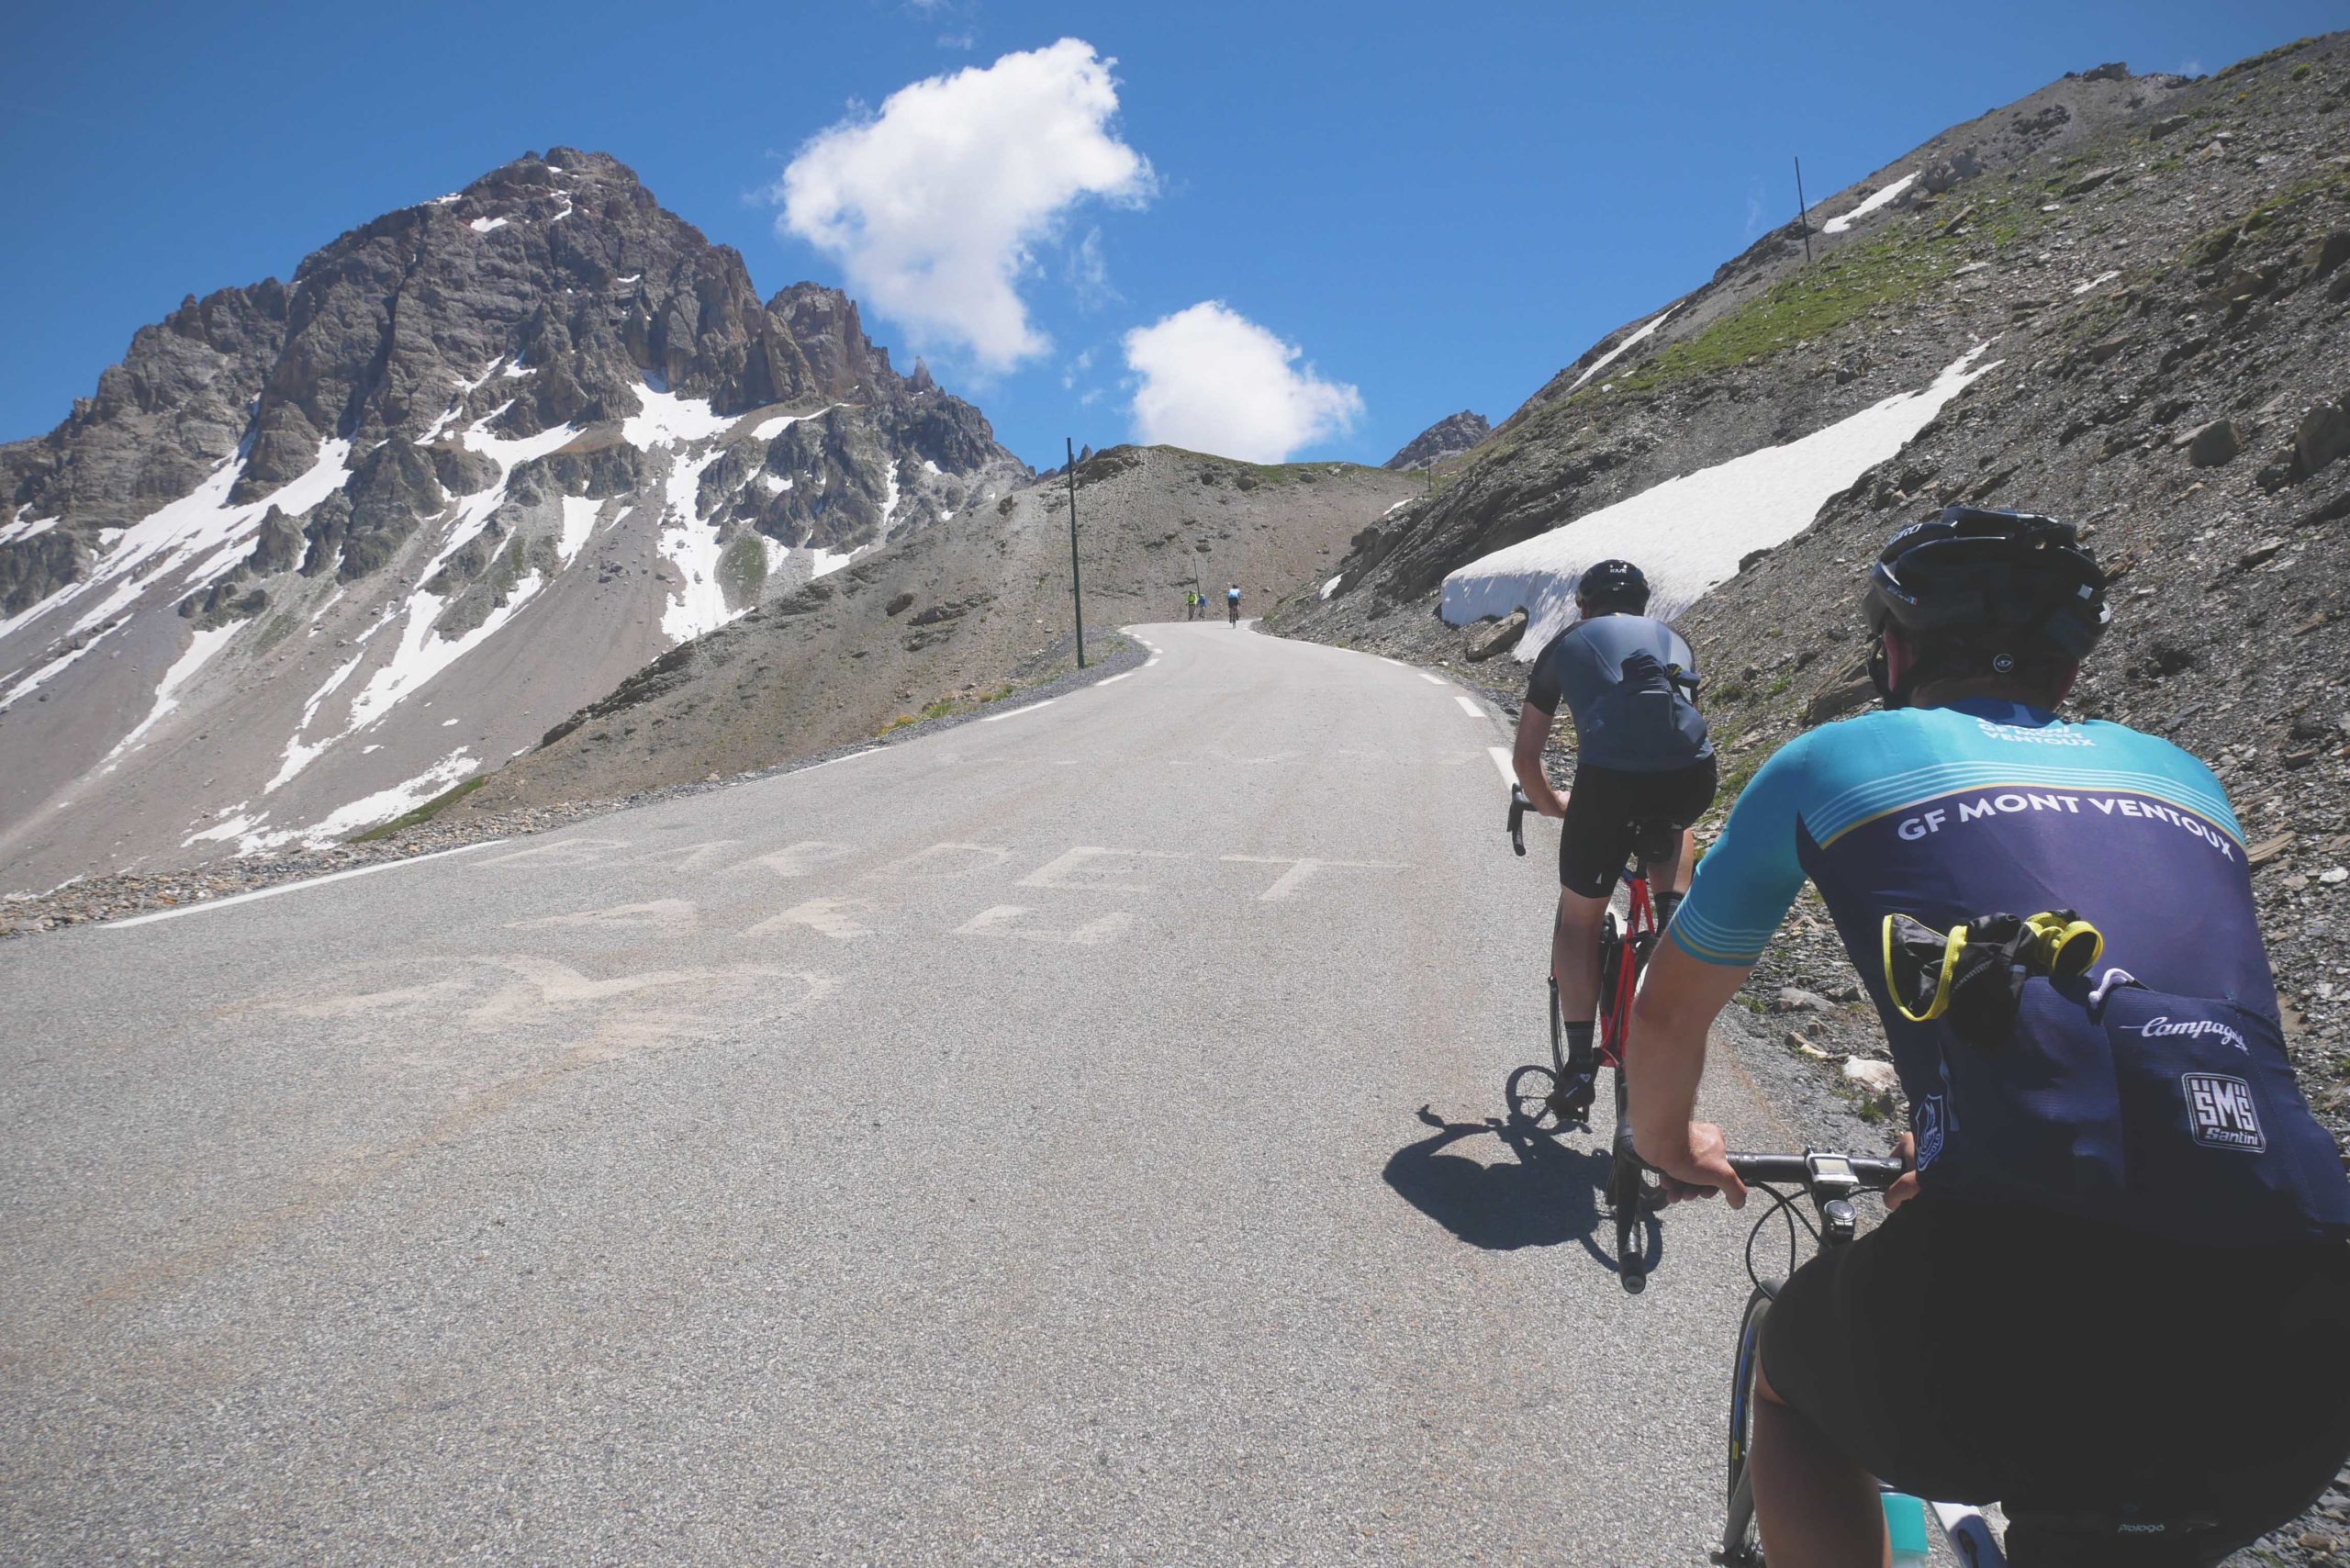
[[1829, 1181], [1624, 948]]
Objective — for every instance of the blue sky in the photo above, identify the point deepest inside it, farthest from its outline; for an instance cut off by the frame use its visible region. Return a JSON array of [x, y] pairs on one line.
[[1437, 207]]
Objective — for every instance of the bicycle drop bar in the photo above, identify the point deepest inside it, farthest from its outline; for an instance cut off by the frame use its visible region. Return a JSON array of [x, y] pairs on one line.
[[1876, 1175], [1518, 806]]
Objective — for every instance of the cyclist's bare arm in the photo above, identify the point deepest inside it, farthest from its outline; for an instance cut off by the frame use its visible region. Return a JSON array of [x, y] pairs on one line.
[[1679, 1000], [1533, 734]]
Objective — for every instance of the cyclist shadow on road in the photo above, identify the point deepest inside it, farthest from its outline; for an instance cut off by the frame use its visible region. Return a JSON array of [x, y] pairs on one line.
[[1548, 1193]]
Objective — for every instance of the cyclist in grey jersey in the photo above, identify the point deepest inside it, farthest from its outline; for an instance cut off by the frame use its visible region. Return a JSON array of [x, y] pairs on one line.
[[1641, 754]]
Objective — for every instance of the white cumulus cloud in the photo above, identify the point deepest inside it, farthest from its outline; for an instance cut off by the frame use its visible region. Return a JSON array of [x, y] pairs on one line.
[[933, 206], [1211, 379]]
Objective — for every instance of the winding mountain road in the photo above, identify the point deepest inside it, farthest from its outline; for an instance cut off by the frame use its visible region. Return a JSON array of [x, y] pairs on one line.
[[1007, 1147]]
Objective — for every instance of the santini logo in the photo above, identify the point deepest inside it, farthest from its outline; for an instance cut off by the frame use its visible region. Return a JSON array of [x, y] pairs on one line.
[[2220, 1112], [2159, 1027]]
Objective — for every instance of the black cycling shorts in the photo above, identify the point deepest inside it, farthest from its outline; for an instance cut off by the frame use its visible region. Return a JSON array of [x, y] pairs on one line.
[[1972, 1353], [1602, 805]]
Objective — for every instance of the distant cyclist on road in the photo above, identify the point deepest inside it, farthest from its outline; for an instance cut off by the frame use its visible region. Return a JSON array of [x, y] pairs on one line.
[[2116, 1283], [1641, 753], [1231, 604]]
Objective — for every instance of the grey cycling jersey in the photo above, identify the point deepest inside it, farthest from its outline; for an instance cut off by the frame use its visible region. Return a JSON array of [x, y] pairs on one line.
[[1613, 672]]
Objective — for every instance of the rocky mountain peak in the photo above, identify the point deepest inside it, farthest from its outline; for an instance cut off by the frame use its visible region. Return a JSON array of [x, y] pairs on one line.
[[542, 390], [1453, 435]]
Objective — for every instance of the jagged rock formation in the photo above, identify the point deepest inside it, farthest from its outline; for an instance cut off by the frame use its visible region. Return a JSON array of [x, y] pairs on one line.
[[278, 549], [1449, 437]]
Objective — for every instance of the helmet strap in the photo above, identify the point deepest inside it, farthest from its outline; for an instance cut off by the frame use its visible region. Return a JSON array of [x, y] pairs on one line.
[[1880, 677]]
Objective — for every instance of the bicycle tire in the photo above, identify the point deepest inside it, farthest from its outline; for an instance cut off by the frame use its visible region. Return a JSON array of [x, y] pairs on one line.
[[1533, 1096], [1627, 1200], [1741, 1545]]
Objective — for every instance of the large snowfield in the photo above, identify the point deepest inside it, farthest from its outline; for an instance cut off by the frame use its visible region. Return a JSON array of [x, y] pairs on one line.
[[1688, 534]]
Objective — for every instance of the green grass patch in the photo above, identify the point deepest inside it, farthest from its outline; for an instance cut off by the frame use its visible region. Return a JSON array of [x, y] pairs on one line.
[[1849, 282], [423, 814], [742, 568]]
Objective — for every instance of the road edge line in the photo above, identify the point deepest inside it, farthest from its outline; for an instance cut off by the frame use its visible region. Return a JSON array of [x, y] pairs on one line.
[[199, 908]]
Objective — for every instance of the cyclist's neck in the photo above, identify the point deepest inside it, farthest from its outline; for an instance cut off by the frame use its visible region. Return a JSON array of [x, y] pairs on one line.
[[2002, 708]]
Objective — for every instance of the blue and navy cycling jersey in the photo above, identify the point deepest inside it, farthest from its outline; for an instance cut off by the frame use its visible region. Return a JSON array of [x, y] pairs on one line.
[[2154, 1092]]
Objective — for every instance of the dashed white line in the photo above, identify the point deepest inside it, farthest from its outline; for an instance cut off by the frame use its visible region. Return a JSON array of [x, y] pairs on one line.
[[1113, 679], [1502, 763], [1383, 658], [291, 886], [1431, 679], [992, 718], [1469, 707]]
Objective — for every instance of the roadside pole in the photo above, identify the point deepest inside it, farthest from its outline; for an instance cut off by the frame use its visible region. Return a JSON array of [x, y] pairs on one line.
[[1076, 591], [1803, 211]]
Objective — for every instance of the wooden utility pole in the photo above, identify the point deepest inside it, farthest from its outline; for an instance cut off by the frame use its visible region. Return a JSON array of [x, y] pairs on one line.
[[1076, 591], [1803, 211]]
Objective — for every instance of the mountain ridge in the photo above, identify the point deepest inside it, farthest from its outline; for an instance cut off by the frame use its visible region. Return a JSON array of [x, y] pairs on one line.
[[544, 383]]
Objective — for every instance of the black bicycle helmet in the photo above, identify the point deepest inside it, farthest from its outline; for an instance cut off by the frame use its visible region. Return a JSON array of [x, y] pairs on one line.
[[1613, 584], [1990, 592]]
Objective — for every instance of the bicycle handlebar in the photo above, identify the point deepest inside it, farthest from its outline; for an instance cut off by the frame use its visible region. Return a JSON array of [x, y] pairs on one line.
[[1518, 806], [1874, 1174]]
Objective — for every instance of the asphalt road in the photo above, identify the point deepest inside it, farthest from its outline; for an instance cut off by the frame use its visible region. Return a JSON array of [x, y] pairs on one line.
[[1003, 1148]]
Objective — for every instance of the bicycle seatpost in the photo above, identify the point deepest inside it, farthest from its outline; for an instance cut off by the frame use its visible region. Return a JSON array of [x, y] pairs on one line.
[[1518, 806]]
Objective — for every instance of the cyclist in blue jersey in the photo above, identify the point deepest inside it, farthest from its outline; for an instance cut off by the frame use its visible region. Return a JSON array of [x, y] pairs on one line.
[[1629, 685], [2117, 1277]]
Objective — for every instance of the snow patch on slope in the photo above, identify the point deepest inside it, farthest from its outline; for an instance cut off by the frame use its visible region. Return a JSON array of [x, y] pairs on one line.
[[768, 429], [665, 419], [183, 669], [1890, 193], [423, 652], [1688, 534], [1610, 357], [579, 522]]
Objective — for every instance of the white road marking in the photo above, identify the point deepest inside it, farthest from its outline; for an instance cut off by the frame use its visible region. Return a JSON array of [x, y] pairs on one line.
[[1383, 658], [999, 919], [582, 851], [799, 859], [1113, 679], [1431, 679], [1062, 871], [1300, 869], [851, 756], [1502, 763], [689, 856], [1150, 661], [1016, 712], [1470, 707], [291, 886], [676, 913], [828, 917]]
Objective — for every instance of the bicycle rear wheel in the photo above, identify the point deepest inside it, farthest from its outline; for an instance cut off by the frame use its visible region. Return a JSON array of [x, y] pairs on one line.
[[1741, 1545]]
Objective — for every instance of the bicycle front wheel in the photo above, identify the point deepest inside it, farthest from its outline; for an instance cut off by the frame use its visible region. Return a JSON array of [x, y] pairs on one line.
[[1532, 1094], [1741, 1542]]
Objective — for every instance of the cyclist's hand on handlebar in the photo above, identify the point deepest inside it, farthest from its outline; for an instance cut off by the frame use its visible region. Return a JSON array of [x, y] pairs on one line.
[[1902, 1191], [1552, 804], [1701, 1167]]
